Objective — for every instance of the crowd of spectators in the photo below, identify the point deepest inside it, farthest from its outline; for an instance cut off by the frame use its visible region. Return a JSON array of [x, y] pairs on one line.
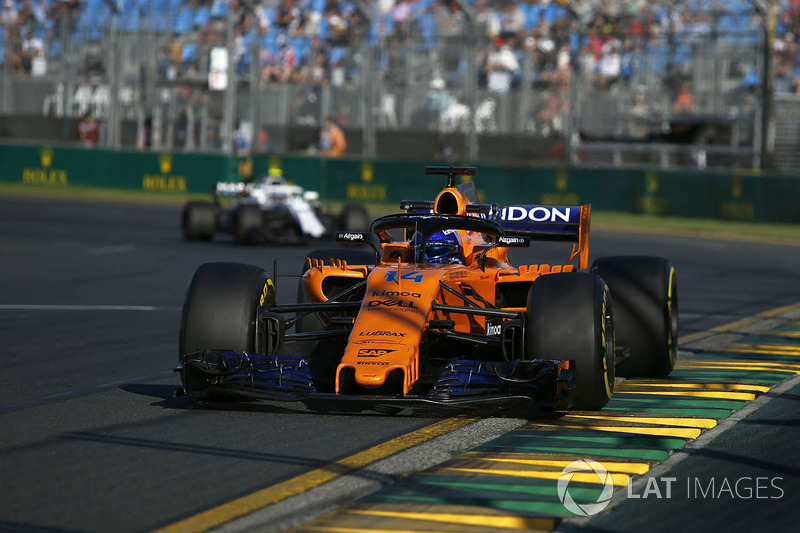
[[317, 41]]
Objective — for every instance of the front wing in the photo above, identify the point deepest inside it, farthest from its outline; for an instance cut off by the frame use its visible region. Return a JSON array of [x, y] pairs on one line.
[[463, 383]]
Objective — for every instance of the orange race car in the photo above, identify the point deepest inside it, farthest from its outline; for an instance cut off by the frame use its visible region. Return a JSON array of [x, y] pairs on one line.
[[435, 314]]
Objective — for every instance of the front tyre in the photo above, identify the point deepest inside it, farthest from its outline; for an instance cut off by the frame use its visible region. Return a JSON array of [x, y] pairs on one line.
[[645, 294], [219, 310], [570, 316]]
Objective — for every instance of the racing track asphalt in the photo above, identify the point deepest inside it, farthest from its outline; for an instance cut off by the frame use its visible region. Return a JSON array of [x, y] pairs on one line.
[[91, 438]]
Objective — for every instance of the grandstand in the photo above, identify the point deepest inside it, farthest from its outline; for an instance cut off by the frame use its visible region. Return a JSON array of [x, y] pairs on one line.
[[564, 76]]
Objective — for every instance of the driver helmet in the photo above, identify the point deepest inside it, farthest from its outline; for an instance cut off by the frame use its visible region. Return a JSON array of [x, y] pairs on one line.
[[441, 247]]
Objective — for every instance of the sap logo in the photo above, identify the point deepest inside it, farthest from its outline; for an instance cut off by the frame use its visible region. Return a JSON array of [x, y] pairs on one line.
[[416, 277], [381, 334], [392, 303], [396, 293], [493, 331], [373, 352], [536, 213]]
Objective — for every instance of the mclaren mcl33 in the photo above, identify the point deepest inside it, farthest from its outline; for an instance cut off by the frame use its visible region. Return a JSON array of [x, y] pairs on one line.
[[435, 313]]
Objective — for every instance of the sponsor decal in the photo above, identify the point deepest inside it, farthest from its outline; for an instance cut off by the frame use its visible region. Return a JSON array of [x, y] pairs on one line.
[[400, 305], [372, 363], [351, 236], [373, 352], [397, 293], [166, 181], [45, 174], [458, 275], [513, 241], [377, 341], [414, 276], [493, 330], [585, 466], [381, 334], [366, 192], [536, 213]]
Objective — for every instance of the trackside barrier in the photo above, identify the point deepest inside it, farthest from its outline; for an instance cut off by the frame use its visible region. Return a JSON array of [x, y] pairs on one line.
[[695, 194]]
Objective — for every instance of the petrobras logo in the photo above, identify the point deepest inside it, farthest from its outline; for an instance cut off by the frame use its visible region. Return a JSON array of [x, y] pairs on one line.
[[537, 213], [513, 242], [381, 334], [397, 293], [351, 236], [373, 352]]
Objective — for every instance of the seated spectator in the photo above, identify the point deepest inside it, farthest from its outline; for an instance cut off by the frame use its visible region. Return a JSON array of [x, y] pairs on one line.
[[279, 66]]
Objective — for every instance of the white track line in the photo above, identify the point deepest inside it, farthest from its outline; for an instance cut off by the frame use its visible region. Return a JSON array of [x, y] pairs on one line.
[[42, 400], [46, 307]]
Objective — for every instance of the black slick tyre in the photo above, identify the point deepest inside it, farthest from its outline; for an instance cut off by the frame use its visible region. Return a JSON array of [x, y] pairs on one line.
[[198, 221], [645, 295], [219, 309], [247, 224], [570, 317], [353, 218]]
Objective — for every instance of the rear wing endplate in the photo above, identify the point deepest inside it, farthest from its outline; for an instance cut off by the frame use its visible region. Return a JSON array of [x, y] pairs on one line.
[[551, 223]]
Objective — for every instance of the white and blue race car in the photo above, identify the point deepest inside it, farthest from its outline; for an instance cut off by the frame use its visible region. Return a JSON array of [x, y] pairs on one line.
[[267, 210]]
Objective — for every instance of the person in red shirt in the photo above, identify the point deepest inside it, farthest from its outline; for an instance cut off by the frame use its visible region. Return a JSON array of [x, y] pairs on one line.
[[88, 130]]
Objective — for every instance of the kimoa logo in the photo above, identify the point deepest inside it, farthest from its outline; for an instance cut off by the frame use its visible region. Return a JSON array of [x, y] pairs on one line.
[[397, 293], [585, 468]]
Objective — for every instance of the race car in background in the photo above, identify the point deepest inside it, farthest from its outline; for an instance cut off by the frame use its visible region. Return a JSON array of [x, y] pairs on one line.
[[267, 210], [435, 314]]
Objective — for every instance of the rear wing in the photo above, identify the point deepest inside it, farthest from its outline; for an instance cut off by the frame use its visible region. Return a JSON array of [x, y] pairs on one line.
[[551, 223]]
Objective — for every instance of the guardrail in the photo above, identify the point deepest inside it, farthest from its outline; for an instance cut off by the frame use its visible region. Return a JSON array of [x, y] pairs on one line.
[[696, 194]]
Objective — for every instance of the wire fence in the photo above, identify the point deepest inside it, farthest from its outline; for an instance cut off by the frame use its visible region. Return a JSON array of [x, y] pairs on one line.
[[683, 96]]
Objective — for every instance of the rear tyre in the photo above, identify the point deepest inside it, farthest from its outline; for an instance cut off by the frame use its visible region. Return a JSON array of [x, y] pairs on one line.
[[219, 310], [645, 295], [570, 316], [247, 224], [353, 218], [198, 221]]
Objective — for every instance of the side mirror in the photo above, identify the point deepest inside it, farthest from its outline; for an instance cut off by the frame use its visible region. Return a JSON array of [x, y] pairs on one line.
[[310, 196]]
